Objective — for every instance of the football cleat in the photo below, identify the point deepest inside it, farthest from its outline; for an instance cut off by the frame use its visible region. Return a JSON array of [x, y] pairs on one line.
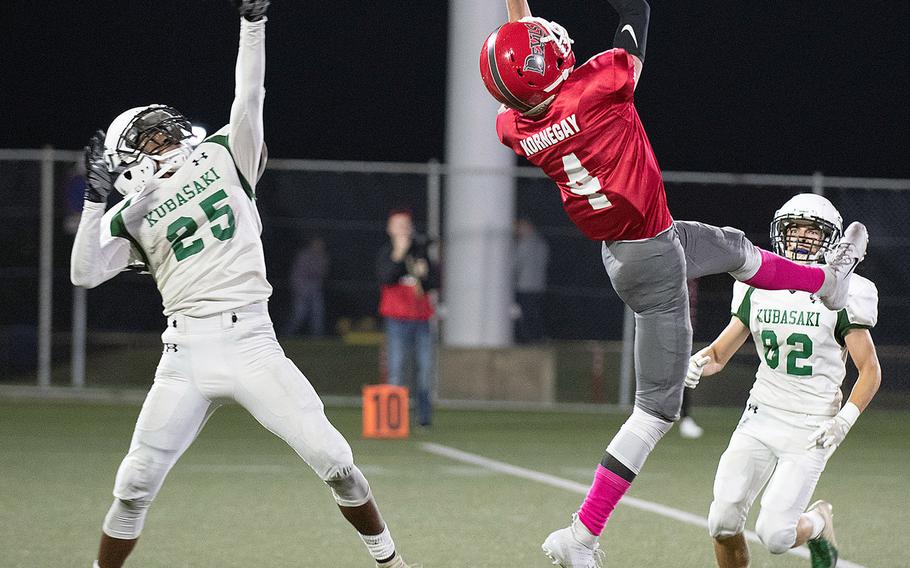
[[565, 549], [823, 550], [840, 262]]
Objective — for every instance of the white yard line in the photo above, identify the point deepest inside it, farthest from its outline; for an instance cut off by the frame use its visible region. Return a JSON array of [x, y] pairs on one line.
[[582, 489]]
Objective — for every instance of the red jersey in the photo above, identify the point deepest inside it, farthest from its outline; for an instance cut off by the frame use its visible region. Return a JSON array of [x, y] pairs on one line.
[[591, 142]]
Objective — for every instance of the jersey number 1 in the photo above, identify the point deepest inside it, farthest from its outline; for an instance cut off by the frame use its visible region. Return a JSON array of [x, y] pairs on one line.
[[183, 228], [582, 183]]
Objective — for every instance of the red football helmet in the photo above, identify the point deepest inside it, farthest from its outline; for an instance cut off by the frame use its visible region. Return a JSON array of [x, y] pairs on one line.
[[524, 63]]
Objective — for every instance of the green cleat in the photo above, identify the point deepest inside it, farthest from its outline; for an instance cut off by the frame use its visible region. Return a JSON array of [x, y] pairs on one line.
[[822, 553], [823, 550]]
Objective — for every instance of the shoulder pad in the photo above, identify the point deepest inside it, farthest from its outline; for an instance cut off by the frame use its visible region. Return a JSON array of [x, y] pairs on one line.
[[862, 301], [739, 292]]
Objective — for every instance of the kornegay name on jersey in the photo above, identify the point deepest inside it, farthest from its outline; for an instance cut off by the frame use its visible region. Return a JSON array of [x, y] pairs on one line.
[[591, 142]]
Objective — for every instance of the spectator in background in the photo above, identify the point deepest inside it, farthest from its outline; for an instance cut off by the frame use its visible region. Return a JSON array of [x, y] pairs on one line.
[[308, 272], [532, 254], [688, 428], [406, 277]]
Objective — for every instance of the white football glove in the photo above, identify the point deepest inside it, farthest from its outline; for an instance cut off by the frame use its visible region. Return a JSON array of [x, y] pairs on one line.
[[697, 364], [833, 431]]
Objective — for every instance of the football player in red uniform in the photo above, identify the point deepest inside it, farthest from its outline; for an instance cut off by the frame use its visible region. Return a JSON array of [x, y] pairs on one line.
[[580, 126]]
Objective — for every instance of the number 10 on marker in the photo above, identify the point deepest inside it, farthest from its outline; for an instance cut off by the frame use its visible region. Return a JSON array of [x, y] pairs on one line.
[[385, 411]]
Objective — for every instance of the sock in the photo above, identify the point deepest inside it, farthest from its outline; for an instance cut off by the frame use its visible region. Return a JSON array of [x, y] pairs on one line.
[[582, 533], [779, 273], [381, 546], [818, 523], [606, 491]]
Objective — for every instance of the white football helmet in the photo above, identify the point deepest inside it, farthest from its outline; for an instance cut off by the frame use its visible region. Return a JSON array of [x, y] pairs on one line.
[[806, 209], [145, 143]]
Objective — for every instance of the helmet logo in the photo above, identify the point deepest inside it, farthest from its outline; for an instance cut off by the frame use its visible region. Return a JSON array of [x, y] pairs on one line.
[[535, 61]]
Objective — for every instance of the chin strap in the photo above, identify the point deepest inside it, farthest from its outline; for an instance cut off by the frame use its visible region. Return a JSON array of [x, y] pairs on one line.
[[164, 169], [150, 168], [556, 33], [173, 159], [541, 107]]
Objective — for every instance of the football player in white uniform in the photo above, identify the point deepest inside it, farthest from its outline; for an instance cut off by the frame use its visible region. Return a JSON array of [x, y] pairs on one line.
[[793, 420], [189, 215]]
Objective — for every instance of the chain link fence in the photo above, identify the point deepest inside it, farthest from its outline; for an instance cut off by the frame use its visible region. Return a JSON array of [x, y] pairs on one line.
[[346, 204]]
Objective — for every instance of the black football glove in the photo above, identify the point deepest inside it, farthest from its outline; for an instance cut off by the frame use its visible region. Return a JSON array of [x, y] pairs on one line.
[[98, 180], [252, 10]]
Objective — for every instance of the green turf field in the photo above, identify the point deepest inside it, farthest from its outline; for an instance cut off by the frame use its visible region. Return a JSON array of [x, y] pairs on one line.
[[240, 497]]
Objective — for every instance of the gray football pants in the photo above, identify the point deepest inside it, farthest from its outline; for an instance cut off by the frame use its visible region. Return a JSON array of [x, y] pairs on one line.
[[650, 276]]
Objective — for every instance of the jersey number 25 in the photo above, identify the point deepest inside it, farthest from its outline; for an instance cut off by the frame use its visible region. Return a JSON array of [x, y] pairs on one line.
[[183, 228]]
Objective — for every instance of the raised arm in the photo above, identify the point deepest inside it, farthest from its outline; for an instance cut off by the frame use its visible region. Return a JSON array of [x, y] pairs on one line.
[[390, 266], [632, 31], [93, 261], [246, 128], [713, 358], [518, 9]]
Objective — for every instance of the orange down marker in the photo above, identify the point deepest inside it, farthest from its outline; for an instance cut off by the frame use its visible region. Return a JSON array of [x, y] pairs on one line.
[[385, 411]]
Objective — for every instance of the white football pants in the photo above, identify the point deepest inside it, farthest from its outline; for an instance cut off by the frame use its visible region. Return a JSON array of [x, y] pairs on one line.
[[767, 447], [229, 356]]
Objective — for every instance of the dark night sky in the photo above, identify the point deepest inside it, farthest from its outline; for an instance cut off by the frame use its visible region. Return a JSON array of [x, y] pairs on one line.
[[776, 86]]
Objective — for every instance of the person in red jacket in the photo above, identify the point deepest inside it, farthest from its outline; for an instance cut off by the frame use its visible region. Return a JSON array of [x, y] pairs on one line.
[[406, 277]]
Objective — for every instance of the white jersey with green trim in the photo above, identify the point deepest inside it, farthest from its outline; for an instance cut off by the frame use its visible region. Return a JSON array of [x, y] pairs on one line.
[[800, 343], [198, 232]]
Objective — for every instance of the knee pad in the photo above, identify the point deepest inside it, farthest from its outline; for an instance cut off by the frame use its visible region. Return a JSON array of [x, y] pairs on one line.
[[124, 520], [349, 486], [637, 438], [776, 532], [725, 519], [139, 478], [141, 474]]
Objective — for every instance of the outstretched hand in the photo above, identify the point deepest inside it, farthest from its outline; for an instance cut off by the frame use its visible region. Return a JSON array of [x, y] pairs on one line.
[[98, 179], [252, 10]]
